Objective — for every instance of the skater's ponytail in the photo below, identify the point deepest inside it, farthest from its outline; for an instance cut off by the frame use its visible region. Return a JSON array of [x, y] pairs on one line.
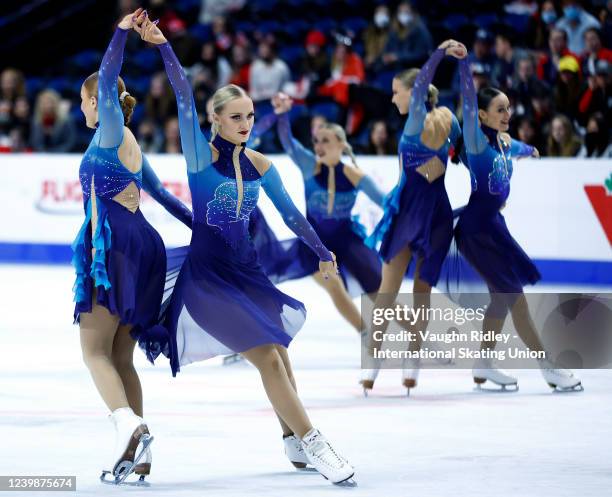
[[127, 101], [220, 99], [407, 79]]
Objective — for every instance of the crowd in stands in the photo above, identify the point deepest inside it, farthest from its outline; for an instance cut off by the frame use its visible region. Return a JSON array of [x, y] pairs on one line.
[[337, 60]]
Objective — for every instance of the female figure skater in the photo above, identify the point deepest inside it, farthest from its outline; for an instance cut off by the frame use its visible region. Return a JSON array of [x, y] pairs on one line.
[[222, 301], [418, 220], [481, 232], [331, 188], [119, 258]]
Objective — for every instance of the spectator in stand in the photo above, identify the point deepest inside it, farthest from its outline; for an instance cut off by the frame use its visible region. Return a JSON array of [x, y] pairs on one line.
[[541, 108], [380, 142], [575, 22], [159, 10], [481, 59], [216, 67], [185, 46], [241, 65], [597, 139], [268, 73], [598, 94], [224, 38], [525, 83], [12, 85], [567, 90], [594, 51], [507, 61], [375, 38], [528, 133], [212, 9], [150, 139], [20, 127], [540, 25], [548, 64], [159, 102], [172, 137], [409, 42], [315, 65], [605, 18], [562, 140], [52, 128]]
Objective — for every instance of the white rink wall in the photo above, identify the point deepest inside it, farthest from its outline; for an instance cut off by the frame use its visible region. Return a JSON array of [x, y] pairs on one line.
[[557, 208]]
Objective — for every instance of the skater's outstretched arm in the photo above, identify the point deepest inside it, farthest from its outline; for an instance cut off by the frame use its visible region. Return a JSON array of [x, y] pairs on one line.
[[195, 147], [418, 98], [367, 186], [519, 149], [300, 155], [110, 115], [153, 186], [474, 138], [274, 188]]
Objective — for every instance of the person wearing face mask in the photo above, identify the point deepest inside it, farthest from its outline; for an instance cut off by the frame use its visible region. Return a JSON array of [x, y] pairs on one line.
[[222, 301], [409, 42], [597, 139], [575, 22], [482, 235], [375, 38]]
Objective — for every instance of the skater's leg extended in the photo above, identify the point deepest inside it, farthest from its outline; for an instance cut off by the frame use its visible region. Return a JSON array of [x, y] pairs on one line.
[[97, 330], [282, 351], [278, 387], [341, 299], [123, 359]]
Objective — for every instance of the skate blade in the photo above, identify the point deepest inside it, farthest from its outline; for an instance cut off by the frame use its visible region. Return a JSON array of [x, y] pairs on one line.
[[139, 483], [349, 482], [232, 359], [126, 468], [307, 469], [513, 387], [367, 386], [574, 389]]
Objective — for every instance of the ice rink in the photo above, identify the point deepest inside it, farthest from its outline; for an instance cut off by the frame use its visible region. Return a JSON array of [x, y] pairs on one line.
[[216, 435]]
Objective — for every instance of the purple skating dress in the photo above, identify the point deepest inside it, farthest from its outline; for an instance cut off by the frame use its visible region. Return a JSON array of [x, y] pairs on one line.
[[222, 302], [481, 232], [417, 213], [129, 267]]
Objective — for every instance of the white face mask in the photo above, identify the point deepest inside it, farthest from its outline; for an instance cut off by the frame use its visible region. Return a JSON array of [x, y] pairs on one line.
[[381, 19], [404, 18]]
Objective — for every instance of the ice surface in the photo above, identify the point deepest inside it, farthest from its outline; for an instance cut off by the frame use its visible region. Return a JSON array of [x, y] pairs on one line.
[[216, 435]]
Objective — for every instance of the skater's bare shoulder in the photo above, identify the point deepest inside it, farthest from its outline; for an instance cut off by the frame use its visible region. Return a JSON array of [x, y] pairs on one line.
[[259, 160], [353, 173]]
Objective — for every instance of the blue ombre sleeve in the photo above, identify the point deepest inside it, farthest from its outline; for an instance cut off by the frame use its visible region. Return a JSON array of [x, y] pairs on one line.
[[367, 186], [418, 110], [110, 115], [273, 186], [299, 154], [520, 149], [195, 147], [474, 139], [153, 186]]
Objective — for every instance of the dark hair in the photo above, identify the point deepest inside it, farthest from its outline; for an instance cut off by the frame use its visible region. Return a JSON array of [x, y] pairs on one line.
[[127, 104], [595, 30], [486, 95]]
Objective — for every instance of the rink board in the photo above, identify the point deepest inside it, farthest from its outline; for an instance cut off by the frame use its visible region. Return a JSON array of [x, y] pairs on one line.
[[559, 210]]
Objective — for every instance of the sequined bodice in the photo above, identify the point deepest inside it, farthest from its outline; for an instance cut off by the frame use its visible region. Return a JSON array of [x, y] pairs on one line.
[[318, 189], [110, 176]]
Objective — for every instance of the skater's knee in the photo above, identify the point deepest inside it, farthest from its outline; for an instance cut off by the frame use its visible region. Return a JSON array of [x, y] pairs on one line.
[[95, 358]]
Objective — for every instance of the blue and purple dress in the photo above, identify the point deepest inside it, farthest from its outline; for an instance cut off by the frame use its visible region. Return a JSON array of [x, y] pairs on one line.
[[330, 198], [481, 232], [417, 213], [129, 267], [222, 301]]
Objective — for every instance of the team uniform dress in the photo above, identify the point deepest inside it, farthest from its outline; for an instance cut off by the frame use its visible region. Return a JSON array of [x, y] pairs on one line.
[[222, 302], [481, 232], [128, 268], [418, 213]]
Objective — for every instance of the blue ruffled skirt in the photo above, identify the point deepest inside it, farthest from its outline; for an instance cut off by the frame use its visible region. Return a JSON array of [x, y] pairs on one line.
[[417, 214], [128, 271]]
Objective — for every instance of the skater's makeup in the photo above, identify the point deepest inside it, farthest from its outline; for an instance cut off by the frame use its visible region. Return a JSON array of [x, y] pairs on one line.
[[236, 119], [497, 115]]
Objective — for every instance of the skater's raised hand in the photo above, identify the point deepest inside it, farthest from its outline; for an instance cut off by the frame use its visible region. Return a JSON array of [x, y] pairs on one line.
[[281, 102], [149, 32], [454, 48], [328, 268], [131, 20]]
